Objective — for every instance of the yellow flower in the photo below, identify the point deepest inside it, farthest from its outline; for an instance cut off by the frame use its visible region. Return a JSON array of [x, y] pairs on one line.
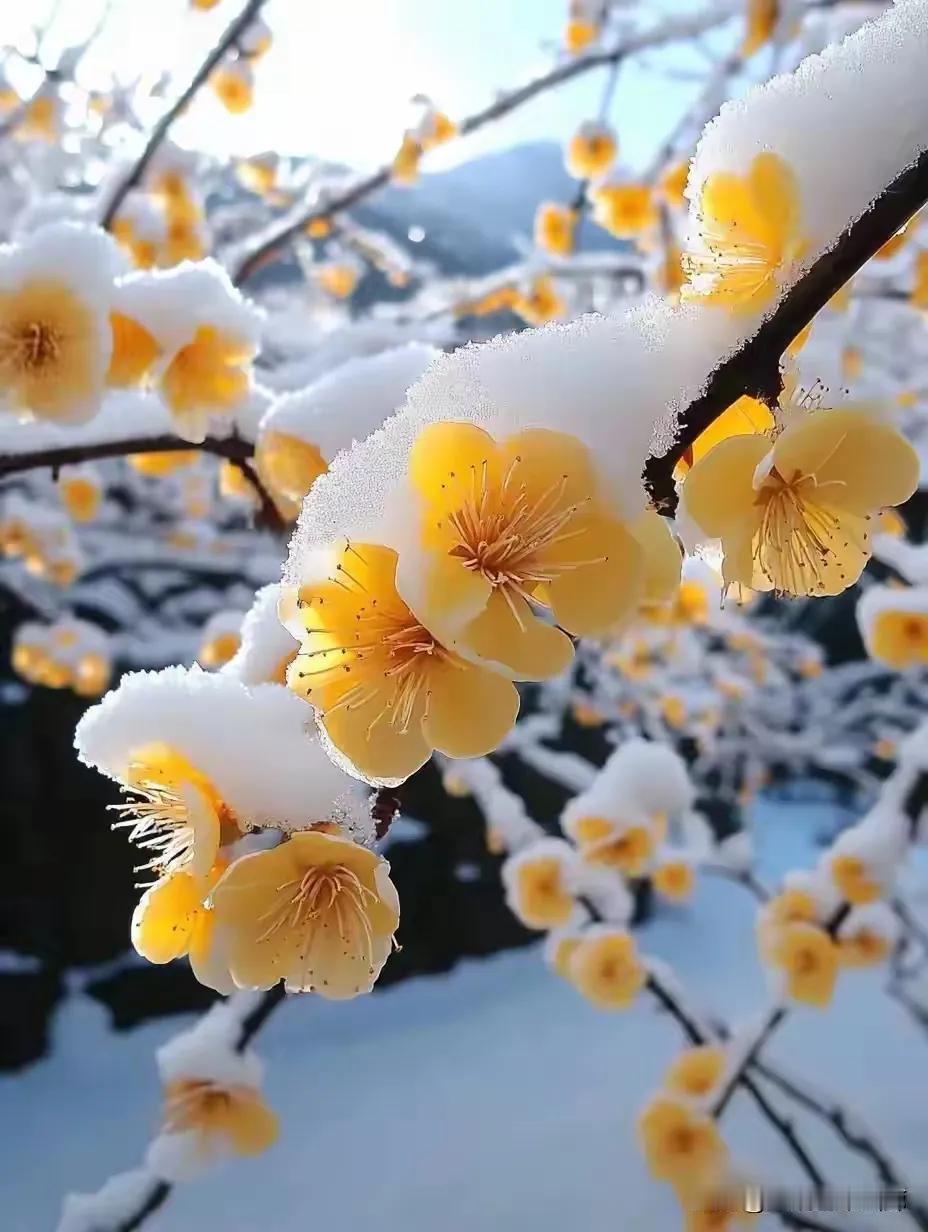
[[438, 129], [218, 650], [223, 1117], [626, 211], [183, 242], [208, 376], [387, 691], [579, 35], [605, 968], [288, 467], [673, 184], [134, 352], [716, 1212], [318, 912], [174, 918], [48, 344], [455, 785], [585, 715], [794, 517], [899, 638], [591, 152], [405, 168], [536, 883], [808, 958], [745, 417], [696, 1072], [92, 675], [749, 233], [540, 304], [852, 363], [175, 813], [506, 527], [157, 465], [337, 280], [851, 875], [203, 5], [763, 16], [40, 121], [80, 494], [629, 852], [681, 1146], [554, 228], [863, 947], [143, 253], [318, 228], [673, 711], [233, 85], [674, 879]]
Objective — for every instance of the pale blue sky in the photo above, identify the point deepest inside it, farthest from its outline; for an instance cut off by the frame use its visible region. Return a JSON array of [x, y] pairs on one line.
[[339, 78]]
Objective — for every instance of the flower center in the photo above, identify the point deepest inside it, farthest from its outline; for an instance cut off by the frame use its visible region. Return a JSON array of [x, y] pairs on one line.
[[797, 535], [158, 817], [320, 896], [30, 346], [503, 534], [681, 1141], [192, 1100]]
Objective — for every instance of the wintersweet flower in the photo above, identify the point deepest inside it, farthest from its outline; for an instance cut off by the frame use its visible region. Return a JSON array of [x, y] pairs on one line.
[[591, 151], [538, 883], [540, 303], [681, 1146], [853, 879], [629, 850], [793, 516], [55, 338], [387, 691], [337, 278], [763, 16], [606, 969], [696, 1072], [508, 529], [210, 375], [673, 184], [41, 120], [135, 352], [234, 85], [175, 813], [745, 417], [81, 492], [579, 33], [626, 211], [405, 168], [748, 238], [807, 957], [898, 637], [174, 918], [318, 912], [863, 947], [674, 879], [288, 467], [554, 228], [222, 1117]]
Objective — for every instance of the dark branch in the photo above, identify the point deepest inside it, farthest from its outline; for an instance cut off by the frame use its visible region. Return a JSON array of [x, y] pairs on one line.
[[755, 368], [163, 127], [232, 447]]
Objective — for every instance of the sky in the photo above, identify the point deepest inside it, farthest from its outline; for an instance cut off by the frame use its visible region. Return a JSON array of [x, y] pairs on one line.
[[341, 73]]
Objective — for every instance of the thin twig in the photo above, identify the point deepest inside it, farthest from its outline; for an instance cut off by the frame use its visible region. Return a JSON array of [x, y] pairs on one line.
[[163, 127]]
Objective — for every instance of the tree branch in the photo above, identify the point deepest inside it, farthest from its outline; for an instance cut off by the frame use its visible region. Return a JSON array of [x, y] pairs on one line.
[[232, 447], [163, 127], [675, 29], [754, 368]]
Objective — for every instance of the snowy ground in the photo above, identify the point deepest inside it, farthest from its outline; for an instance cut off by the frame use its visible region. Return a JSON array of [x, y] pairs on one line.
[[490, 1099]]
